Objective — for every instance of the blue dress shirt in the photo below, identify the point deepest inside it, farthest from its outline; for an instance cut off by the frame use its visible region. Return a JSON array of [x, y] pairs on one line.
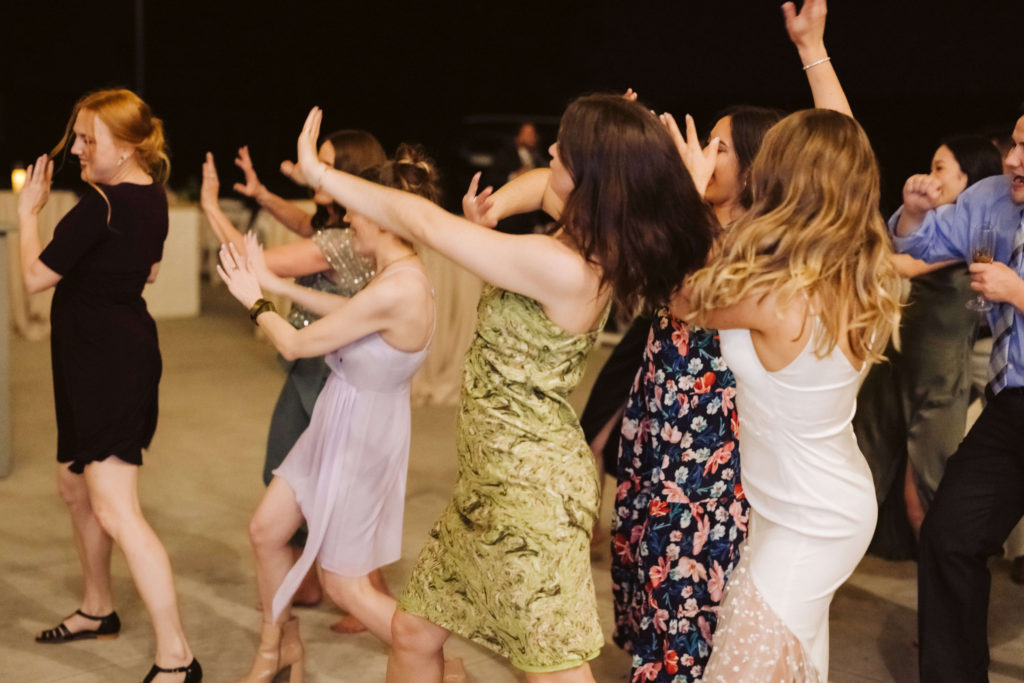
[[946, 234]]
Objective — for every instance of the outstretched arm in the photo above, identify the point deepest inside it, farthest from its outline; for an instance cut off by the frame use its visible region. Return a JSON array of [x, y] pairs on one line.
[[538, 266], [291, 216], [290, 260], [526, 192], [806, 29]]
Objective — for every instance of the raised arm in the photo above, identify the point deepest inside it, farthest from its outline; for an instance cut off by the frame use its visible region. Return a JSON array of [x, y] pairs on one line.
[[538, 266], [806, 29], [209, 202], [920, 195], [526, 192], [291, 216], [700, 163], [290, 260], [36, 274]]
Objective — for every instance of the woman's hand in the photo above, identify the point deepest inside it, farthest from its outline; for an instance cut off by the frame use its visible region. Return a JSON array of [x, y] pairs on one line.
[[258, 264], [479, 207], [699, 162], [238, 274], [309, 164], [209, 192], [36, 190], [292, 171], [252, 186], [806, 28]]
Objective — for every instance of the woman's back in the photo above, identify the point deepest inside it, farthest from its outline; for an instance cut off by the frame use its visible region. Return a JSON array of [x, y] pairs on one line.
[[799, 450]]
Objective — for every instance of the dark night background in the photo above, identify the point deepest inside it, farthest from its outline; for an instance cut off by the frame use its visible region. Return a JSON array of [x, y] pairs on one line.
[[223, 73]]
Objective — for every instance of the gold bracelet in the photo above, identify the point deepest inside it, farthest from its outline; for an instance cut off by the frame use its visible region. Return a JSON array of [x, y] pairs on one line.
[[261, 306]]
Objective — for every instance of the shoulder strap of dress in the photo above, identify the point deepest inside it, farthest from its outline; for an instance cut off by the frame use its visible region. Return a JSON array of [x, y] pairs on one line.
[[396, 269]]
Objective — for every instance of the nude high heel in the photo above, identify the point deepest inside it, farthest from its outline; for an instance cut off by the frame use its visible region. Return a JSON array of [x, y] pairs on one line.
[[280, 647], [293, 653]]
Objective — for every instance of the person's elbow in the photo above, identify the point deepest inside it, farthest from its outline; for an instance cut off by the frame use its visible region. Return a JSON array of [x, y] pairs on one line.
[[292, 346], [34, 285], [38, 278]]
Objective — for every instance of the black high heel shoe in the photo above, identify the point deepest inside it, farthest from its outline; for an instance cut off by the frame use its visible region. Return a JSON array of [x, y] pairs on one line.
[[193, 672], [109, 627]]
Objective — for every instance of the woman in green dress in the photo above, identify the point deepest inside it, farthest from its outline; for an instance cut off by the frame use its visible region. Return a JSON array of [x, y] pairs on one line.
[[507, 565]]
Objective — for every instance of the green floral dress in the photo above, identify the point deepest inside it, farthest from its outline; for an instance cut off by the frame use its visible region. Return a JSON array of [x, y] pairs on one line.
[[508, 563]]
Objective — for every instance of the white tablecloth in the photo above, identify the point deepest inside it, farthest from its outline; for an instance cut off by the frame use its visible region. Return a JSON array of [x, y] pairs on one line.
[[30, 313]]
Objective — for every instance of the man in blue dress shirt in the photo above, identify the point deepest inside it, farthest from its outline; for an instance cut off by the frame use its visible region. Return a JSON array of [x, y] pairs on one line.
[[981, 497]]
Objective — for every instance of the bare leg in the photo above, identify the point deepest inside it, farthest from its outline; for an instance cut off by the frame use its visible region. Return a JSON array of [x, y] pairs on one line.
[[579, 674], [358, 596], [115, 503], [915, 511], [610, 428], [417, 650], [349, 623], [93, 545], [309, 593], [276, 518]]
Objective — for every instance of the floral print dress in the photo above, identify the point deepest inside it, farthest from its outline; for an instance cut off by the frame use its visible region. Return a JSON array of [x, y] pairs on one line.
[[680, 511]]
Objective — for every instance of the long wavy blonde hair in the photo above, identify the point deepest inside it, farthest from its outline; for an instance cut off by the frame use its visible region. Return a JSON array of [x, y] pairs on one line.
[[813, 229]]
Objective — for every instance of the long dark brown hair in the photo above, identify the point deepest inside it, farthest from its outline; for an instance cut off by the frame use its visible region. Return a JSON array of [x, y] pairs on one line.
[[749, 126], [634, 210]]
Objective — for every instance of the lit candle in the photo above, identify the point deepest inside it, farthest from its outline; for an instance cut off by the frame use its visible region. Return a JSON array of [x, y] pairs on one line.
[[17, 179]]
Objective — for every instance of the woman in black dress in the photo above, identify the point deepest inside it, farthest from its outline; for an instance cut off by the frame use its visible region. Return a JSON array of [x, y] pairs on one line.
[[106, 360]]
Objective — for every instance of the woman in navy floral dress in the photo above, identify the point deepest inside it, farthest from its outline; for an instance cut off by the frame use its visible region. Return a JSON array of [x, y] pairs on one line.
[[680, 511]]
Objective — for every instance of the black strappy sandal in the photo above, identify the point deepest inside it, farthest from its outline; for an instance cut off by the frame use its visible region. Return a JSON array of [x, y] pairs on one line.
[[109, 627], [193, 672]]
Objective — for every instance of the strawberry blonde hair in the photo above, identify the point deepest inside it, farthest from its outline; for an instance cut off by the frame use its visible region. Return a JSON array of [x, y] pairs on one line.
[[130, 120]]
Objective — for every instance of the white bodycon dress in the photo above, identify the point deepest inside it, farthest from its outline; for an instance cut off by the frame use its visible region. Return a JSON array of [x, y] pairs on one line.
[[813, 513]]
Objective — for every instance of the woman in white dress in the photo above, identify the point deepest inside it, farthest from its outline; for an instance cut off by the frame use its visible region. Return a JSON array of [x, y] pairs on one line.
[[805, 295]]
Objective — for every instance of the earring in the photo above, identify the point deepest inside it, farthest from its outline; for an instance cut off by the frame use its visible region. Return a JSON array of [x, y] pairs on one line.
[[122, 159]]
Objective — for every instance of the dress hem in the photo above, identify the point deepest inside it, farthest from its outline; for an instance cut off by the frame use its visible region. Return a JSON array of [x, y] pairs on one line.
[[522, 666]]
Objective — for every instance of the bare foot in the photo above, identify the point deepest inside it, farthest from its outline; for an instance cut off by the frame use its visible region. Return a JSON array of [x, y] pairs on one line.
[[348, 624], [454, 672]]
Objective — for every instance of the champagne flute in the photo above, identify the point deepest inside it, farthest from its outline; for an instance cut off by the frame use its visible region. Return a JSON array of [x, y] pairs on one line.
[[983, 247]]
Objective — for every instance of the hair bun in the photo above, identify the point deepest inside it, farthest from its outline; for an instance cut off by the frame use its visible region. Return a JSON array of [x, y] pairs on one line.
[[417, 171], [410, 170]]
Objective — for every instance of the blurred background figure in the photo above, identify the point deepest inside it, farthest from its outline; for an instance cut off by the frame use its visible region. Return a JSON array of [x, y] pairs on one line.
[[524, 154], [912, 411]]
